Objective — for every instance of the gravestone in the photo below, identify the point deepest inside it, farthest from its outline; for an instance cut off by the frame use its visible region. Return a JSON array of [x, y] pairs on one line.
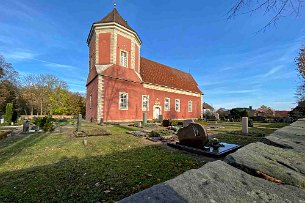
[[187, 122], [144, 118], [79, 119], [194, 135], [1, 120], [160, 118], [217, 116], [26, 126], [245, 129]]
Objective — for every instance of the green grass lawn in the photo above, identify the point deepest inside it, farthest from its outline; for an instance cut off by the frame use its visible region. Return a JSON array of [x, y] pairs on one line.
[[230, 132], [53, 167]]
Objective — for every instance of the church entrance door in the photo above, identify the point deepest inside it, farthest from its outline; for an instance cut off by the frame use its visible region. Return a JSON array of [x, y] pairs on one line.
[[157, 112]]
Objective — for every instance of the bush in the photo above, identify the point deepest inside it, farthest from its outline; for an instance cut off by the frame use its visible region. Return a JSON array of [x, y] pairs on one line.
[[176, 122], [165, 123], [9, 112], [159, 133], [250, 123], [45, 123]]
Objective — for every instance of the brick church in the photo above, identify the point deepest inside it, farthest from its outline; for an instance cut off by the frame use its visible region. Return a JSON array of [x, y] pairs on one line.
[[122, 85]]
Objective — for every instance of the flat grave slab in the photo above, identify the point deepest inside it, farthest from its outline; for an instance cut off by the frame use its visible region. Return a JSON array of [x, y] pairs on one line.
[[207, 151], [218, 182], [285, 165]]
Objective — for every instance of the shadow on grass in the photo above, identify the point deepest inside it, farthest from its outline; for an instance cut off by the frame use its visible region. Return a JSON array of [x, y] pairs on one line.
[[108, 177], [13, 146], [235, 137]]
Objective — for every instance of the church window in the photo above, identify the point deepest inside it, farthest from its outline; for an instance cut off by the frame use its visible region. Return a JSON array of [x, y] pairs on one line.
[[123, 101], [177, 105], [190, 106], [166, 104], [123, 59], [145, 102]]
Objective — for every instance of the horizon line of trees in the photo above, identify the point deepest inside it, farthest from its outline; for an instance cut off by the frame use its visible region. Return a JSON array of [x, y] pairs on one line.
[[42, 94]]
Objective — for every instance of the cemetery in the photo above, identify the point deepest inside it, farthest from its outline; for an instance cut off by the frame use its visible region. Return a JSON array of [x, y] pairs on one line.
[[90, 162], [201, 110]]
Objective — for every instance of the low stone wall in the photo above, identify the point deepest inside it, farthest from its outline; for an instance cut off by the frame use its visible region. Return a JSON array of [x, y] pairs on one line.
[[273, 171], [41, 116]]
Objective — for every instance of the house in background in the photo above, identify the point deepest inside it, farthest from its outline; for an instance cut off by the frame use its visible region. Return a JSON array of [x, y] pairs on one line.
[[122, 85], [208, 110]]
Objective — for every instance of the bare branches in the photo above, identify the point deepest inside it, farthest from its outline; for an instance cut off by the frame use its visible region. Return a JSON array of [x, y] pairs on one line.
[[280, 8]]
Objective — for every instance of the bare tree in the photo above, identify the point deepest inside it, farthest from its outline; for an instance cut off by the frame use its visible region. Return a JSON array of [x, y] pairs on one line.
[[300, 61], [279, 8]]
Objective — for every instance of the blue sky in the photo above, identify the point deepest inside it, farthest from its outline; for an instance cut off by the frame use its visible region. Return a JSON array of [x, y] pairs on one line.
[[233, 64]]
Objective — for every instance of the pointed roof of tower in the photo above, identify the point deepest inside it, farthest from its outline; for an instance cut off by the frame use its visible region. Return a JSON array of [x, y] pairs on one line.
[[115, 17]]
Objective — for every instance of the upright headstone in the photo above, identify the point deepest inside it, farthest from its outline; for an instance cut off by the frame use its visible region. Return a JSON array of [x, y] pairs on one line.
[[160, 118], [1, 120], [79, 119], [217, 116], [144, 118], [245, 129], [194, 135], [26, 126]]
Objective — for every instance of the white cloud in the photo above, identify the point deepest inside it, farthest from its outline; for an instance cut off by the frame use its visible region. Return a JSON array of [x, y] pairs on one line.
[[273, 71]]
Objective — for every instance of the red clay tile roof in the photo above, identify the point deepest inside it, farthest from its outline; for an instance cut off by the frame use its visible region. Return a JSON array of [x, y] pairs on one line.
[[114, 16], [282, 113], [121, 73], [156, 73]]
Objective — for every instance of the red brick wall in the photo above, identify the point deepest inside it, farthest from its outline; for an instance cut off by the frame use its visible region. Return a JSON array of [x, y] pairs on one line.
[[112, 88], [92, 58], [92, 90], [123, 43], [104, 48], [135, 91]]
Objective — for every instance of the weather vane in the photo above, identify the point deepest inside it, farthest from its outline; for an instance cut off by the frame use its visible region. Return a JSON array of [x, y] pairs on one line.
[[114, 3]]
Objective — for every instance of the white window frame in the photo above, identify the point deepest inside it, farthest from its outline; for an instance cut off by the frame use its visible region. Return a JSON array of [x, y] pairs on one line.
[[122, 62], [190, 106], [147, 107], [169, 104], [120, 101], [177, 101]]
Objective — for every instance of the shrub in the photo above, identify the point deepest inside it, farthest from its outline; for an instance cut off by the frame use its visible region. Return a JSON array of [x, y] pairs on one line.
[[176, 122], [250, 123], [9, 112], [45, 123], [165, 123]]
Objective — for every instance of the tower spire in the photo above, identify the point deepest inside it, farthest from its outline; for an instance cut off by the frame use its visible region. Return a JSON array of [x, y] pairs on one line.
[[114, 4]]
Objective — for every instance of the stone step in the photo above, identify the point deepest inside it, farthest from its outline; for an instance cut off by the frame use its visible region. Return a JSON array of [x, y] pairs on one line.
[[283, 164], [218, 182]]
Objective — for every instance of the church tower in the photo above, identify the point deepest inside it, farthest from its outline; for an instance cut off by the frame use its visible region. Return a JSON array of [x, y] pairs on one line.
[[111, 41]]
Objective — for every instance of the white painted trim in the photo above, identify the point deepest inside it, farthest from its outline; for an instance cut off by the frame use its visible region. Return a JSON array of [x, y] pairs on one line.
[[176, 105], [112, 25], [147, 108], [127, 55], [169, 104], [188, 105], [157, 106], [100, 98], [172, 90], [120, 101]]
